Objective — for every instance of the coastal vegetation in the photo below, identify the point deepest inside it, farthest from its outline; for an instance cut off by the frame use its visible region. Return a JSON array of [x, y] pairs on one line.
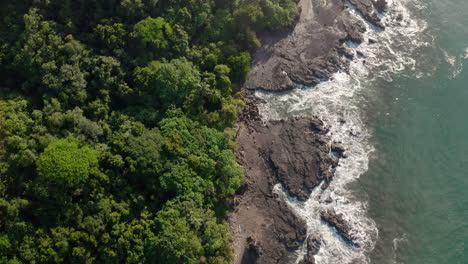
[[116, 141]]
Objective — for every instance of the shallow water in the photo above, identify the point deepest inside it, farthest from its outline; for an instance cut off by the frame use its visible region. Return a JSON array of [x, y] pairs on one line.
[[402, 114]]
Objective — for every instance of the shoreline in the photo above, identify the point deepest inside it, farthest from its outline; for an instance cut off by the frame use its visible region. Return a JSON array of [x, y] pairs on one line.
[[294, 153]]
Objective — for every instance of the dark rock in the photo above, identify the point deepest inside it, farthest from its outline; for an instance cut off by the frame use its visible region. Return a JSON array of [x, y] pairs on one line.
[[294, 152], [308, 259], [250, 111], [313, 247], [280, 235], [381, 5], [342, 227], [367, 9], [347, 53], [242, 189], [251, 252], [311, 52], [372, 41], [315, 125], [360, 54], [354, 32], [338, 150], [299, 158]]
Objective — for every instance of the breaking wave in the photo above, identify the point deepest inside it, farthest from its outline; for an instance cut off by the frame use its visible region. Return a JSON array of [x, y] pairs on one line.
[[339, 102]]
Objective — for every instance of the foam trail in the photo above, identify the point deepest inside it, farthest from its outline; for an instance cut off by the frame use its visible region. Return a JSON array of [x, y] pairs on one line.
[[338, 103], [396, 244], [456, 64], [326, 101]]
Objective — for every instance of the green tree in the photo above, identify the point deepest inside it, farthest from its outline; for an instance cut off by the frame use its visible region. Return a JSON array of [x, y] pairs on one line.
[[206, 151], [111, 38], [240, 65], [116, 126], [144, 158], [190, 233], [66, 161], [154, 32], [193, 15], [168, 83], [157, 38]]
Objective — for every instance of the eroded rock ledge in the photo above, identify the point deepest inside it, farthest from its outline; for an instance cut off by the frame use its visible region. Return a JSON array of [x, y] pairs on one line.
[[299, 155], [316, 47], [340, 224], [294, 152]]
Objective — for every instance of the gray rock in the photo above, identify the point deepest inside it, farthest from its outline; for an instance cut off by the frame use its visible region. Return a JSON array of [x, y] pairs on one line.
[[381, 5], [342, 227], [312, 50], [372, 41], [300, 158]]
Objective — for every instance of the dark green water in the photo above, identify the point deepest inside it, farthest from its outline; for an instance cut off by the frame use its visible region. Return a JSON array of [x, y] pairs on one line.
[[417, 182]]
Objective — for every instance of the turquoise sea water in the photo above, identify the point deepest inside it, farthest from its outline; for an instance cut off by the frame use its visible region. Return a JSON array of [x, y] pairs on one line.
[[417, 182]]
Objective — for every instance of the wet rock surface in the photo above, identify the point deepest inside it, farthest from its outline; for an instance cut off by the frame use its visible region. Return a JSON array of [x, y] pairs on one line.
[[381, 6], [313, 247], [340, 224], [299, 155], [296, 152], [368, 9], [272, 153], [314, 49]]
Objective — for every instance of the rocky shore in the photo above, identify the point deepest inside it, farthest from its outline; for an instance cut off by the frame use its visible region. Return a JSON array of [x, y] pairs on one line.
[[296, 152], [264, 227], [316, 47]]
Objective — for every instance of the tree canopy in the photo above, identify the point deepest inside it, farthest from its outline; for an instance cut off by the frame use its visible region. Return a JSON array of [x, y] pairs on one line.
[[116, 116]]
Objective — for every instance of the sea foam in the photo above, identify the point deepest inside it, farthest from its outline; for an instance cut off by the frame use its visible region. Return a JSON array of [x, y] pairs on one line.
[[338, 102]]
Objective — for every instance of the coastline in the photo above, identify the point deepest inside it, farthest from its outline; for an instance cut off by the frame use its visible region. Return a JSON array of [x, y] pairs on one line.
[[270, 153], [294, 153]]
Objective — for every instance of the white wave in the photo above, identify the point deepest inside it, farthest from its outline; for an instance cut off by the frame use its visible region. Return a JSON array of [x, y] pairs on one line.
[[334, 104], [456, 64], [338, 103], [466, 53], [449, 59], [396, 244], [397, 45], [333, 247]]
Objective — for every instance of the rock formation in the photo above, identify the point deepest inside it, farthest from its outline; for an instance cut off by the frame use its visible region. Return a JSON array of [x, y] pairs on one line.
[[315, 48], [296, 152]]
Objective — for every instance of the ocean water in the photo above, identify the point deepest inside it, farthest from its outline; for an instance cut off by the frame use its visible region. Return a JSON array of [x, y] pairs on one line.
[[417, 182], [402, 115]]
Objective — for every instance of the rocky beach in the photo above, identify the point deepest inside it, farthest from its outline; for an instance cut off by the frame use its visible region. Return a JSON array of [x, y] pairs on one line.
[[295, 154]]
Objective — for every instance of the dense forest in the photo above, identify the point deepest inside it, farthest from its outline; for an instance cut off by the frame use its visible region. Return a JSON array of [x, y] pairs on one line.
[[116, 139]]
